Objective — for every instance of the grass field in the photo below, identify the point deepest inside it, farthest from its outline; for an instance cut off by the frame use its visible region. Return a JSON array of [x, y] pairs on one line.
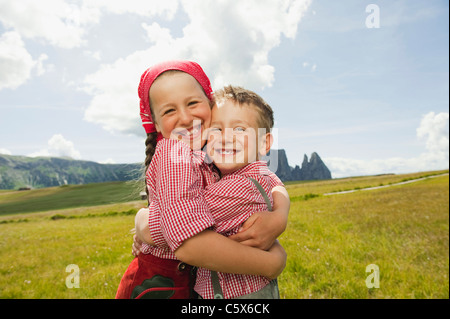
[[330, 240], [67, 196]]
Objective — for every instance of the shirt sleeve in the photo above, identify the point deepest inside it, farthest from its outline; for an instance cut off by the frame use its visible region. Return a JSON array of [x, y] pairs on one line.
[[154, 223], [180, 194], [275, 180]]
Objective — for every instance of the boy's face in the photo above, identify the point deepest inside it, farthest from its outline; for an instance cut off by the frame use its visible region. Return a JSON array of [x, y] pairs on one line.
[[233, 136]]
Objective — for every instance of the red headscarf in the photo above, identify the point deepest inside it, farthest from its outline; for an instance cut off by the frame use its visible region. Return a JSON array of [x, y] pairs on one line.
[[150, 75]]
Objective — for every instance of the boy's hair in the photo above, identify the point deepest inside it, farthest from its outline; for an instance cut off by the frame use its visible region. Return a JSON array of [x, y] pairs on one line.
[[243, 96]]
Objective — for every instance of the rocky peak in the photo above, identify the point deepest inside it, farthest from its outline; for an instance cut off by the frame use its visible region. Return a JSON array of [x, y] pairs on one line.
[[313, 169]]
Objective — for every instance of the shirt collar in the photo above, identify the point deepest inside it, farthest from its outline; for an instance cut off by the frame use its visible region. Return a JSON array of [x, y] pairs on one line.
[[198, 157], [253, 169]]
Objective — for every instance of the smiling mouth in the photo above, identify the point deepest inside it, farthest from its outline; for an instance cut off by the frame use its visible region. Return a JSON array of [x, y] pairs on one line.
[[191, 133], [227, 152]]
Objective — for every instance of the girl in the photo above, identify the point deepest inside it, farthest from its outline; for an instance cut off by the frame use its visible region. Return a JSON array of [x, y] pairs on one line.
[[176, 100]]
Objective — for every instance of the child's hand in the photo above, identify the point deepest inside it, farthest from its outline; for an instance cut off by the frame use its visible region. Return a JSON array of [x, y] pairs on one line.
[[258, 231], [136, 247]]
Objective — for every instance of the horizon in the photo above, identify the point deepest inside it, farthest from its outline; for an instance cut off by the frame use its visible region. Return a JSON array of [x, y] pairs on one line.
[[291, 166]]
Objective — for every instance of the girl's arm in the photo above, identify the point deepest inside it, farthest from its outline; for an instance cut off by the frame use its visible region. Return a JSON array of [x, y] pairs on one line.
[[178, 188], [263, 228], [141, 226], [213, 251]]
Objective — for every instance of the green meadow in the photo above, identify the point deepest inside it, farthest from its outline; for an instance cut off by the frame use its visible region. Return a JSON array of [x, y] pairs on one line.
[[402, 230]]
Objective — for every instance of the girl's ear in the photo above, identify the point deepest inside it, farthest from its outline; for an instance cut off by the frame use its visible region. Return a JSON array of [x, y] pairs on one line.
[[265, 144], [157, 127]]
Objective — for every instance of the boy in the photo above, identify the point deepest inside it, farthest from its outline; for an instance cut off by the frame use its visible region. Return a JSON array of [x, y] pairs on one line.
[[239, 135]]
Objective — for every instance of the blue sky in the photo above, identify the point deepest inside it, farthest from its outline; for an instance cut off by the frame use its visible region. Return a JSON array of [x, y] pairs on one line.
[[368, 100]]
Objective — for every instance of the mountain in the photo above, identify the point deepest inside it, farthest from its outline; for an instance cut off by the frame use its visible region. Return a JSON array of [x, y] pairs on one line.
[[22, 172], [29, 172], [314, 169]]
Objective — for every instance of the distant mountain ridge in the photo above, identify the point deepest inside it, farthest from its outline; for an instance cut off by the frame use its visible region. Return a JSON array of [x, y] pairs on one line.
[[29, 172], [20, 171]]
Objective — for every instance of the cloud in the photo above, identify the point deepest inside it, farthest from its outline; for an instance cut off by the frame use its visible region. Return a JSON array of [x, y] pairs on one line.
[[312, 68], [4, 151], [231, 40], [115, 102], [16, 63], [108, 161], [57, 22], [433, 129], [65, 24], [58, 146], [234, 45], [96, 55], [165, 9]]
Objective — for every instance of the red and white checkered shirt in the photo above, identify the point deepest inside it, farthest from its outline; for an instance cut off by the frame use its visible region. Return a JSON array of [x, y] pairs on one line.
[[231, 201], [176, 186]]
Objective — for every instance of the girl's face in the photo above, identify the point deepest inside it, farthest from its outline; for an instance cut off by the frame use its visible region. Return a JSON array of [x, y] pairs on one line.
[[180, 107]]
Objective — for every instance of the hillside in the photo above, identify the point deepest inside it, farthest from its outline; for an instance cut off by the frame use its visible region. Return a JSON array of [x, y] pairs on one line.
[[68, 196], [20, 171], [28, 172]]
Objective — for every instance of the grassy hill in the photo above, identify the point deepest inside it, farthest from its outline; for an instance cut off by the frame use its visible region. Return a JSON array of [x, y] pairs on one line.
[[330, 240], [67, 196]]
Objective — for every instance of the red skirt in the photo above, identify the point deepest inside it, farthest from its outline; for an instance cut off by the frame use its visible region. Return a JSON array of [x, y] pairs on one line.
[[150, 277]]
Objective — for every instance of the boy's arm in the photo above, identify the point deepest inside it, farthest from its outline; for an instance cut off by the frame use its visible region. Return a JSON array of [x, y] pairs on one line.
[[263, 228], [213, 251]]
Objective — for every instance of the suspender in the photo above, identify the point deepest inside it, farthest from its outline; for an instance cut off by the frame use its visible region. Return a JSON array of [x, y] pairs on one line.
[[263, 193], [218, 293]]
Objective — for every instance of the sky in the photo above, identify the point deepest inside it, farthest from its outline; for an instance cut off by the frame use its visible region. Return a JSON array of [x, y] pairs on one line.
[[365, 84]]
